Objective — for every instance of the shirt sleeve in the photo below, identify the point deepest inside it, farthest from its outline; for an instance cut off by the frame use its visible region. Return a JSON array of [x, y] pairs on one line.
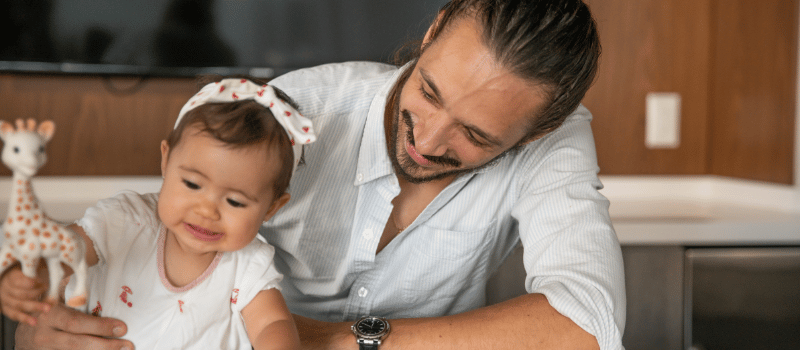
[[571, 252], [107, 222], [258, 272]]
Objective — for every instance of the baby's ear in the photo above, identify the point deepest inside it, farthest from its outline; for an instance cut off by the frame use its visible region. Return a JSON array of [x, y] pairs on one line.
[[277, 205], [164, 157]]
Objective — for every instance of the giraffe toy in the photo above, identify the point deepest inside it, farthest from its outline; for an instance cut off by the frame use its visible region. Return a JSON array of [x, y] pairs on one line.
[[29, 235]]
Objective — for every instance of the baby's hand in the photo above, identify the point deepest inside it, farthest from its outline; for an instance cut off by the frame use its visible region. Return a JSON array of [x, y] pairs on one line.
[[19, 296]]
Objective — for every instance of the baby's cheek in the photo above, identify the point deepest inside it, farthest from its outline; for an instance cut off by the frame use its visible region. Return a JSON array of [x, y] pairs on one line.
[[168, 208]]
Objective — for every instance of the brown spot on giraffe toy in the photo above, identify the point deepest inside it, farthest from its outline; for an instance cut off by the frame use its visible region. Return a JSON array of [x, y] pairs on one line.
[[29, 234]]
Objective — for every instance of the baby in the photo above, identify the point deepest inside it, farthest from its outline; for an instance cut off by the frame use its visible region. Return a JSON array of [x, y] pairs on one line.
[[185, 268]]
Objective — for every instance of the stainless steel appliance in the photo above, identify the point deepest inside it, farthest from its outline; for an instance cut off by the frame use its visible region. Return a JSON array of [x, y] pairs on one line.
[[742, 298]]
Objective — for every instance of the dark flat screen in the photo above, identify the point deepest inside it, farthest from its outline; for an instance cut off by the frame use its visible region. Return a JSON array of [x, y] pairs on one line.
[[185, 37]]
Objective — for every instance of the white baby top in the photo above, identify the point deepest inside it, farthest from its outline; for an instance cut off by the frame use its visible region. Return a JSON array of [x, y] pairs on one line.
[[128, 282]]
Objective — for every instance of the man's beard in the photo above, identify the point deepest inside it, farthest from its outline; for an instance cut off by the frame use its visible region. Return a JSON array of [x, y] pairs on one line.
[[402, 161]]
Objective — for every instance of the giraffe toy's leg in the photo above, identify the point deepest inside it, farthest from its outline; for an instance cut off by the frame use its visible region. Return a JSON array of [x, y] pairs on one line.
[[56, 274], [29, 266], [79, 295], [75, 256]]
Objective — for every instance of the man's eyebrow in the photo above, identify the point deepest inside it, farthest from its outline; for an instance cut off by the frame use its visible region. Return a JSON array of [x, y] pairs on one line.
[[431, 84], [491, 140]]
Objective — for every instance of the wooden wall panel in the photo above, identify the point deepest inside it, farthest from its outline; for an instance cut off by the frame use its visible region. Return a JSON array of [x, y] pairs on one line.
[[753, 91], [733, 62], [650, 46], [104, 126]]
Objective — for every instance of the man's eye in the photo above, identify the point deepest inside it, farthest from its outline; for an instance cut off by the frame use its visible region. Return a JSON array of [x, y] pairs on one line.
[[235, 204], [474, 140], [426, 95], [191, 185]]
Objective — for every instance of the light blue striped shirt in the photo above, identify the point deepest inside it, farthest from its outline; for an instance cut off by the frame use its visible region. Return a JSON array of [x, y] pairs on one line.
[[545, 195]]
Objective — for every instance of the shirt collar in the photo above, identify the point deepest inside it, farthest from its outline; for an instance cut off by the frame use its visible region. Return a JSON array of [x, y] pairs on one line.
[[373, 158]]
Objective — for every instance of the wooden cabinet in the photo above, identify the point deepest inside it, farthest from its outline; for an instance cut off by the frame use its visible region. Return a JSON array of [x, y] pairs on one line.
[[733, 63], [105, 126]]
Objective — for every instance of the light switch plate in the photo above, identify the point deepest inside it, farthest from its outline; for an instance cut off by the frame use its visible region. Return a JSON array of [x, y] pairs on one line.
[[663, 120]]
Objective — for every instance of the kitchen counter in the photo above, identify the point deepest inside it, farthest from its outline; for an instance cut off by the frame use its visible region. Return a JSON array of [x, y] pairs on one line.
[[702, 210], [645, 210]]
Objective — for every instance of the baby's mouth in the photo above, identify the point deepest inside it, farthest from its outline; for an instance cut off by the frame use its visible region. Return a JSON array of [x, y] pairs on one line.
[[202, 233]]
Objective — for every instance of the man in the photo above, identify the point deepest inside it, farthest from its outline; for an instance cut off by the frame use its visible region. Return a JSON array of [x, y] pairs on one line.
[[423, 180]]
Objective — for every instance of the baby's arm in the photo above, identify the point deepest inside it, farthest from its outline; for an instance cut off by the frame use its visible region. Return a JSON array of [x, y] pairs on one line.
[[20, 295], [269, 323]]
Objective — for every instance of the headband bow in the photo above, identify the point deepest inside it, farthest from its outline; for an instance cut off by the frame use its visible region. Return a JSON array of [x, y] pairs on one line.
[[297, 126]]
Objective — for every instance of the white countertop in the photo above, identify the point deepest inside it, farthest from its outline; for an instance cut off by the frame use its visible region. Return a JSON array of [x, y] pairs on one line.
[[645, 210], [702, 210]]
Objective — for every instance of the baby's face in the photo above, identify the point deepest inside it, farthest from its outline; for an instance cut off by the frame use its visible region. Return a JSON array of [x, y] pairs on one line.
[[214, 197]]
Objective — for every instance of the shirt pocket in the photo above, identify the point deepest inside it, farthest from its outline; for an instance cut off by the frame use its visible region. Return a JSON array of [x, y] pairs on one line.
[[444, 263]]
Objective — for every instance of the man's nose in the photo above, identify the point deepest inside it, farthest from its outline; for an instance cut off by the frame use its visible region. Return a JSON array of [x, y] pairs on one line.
[[431, 135]]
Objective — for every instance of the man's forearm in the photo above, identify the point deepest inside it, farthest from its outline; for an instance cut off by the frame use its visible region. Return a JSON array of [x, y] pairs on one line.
[[526, 322]]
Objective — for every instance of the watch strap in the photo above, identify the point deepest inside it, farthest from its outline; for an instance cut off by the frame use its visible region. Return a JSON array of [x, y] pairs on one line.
[[367, 346]]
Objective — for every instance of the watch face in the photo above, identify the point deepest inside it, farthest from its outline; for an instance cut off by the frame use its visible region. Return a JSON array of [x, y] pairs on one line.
[[371, 326]]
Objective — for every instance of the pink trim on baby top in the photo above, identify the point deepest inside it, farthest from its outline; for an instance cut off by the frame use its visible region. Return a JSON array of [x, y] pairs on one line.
[[162, 238]]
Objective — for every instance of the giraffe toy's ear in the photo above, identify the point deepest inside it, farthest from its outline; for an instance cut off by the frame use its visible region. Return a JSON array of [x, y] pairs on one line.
[[46, 129], [6, 128]]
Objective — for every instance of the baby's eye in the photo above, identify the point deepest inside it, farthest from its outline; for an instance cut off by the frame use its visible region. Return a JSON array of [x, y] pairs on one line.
[[235, 204], [191, 185]]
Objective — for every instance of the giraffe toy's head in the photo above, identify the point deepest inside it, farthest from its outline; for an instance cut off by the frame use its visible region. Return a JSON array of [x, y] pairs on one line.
[[23, 148]]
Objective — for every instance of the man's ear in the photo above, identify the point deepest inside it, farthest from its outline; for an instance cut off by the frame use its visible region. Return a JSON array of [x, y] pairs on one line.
[[429, 33], [276, 205], [164, 156]]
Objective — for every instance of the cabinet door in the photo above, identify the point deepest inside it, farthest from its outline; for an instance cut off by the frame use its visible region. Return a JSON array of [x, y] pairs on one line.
[[654, 287]]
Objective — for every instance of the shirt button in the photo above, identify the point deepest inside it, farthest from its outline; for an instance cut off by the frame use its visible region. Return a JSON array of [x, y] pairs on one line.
[[362, 292], [368, 234], [360, 177]]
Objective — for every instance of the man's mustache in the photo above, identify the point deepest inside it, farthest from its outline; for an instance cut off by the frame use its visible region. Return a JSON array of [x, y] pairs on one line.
[[441, 160]]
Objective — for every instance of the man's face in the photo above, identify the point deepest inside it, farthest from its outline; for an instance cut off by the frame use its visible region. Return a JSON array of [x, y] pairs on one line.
[[459, 109]]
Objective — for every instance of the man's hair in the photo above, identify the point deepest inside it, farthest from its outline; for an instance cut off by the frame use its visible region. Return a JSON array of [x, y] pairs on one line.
[[552, 43], [242, 124]]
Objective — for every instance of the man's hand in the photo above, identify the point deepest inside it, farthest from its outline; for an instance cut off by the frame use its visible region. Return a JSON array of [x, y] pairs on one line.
[[20, 296], [66, 328], [59, 327]]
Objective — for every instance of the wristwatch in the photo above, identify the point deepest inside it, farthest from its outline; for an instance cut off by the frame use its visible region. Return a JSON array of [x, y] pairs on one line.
[[370, 331]]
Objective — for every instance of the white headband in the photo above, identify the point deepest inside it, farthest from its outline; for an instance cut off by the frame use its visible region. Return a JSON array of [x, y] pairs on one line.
[[298, 127]]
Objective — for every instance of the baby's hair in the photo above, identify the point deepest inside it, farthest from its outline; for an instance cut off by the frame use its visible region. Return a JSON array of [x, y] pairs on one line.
[[242, 124]]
